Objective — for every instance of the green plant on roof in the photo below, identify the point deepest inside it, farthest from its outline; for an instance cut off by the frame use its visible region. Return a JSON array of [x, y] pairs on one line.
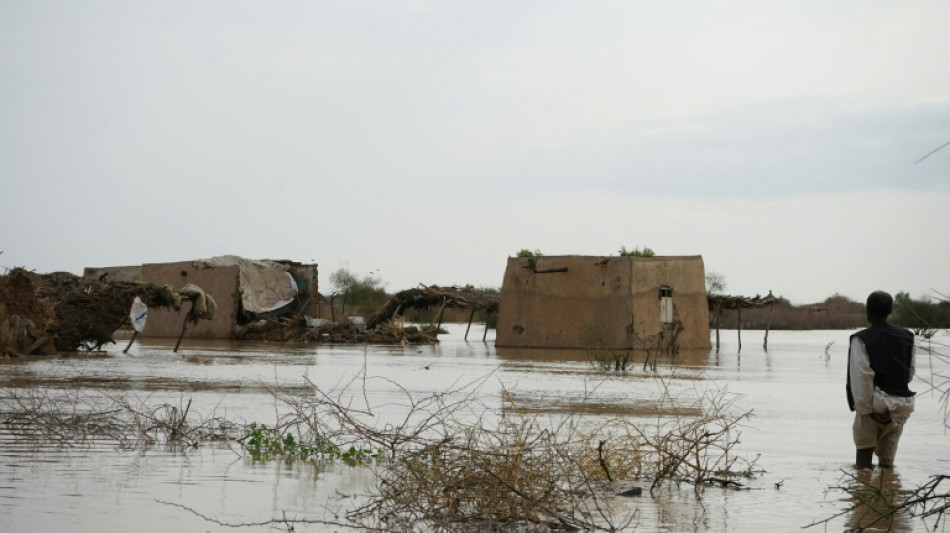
[[636, 252]]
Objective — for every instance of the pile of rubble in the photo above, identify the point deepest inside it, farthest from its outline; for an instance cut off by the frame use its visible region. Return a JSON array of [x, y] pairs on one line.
[[46, 313], [327, 332]]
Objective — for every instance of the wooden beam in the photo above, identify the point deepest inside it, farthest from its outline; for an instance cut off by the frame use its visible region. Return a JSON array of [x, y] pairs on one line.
[[471, 317]]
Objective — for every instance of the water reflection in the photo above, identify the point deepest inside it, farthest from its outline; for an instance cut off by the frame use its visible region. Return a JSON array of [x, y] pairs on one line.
[[876, 498], [637, 358], [801, 428]]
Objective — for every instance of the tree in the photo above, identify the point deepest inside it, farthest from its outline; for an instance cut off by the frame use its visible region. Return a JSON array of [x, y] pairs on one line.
[[362, 296], [715, 283], [924, 315]]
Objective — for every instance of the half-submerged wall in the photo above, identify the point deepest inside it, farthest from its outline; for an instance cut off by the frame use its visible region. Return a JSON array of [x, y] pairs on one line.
[[223, 280], [221, 283], [553, 301]]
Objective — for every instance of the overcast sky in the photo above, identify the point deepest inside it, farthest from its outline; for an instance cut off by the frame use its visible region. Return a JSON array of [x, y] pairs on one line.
[[427, 141]]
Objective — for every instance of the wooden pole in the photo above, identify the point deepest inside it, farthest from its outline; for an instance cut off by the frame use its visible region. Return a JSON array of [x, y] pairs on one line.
[[739, 324], [442, 314], [718, 322], [439, 314], [126, 350], [471, 317], [184, 325], [182, 334], [768, 324], [487, 320]]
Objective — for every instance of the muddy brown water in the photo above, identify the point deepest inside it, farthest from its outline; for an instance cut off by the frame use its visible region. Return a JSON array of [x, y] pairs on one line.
[[800, 432]]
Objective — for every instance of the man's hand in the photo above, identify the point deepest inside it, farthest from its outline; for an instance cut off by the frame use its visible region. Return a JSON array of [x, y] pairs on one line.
[[881, 418]]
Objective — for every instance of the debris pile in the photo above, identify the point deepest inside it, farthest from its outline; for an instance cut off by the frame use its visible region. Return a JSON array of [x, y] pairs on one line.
[[327, 332], [44, 313], [24, 318]]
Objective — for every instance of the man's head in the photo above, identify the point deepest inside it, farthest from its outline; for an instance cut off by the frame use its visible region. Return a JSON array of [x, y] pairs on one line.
[[878, 306]]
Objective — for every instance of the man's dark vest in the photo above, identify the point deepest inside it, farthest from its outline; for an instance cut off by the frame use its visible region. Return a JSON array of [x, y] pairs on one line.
[[890, 350]]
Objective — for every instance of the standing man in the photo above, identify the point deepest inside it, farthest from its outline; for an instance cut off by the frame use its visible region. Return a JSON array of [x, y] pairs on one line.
[[880, 365]]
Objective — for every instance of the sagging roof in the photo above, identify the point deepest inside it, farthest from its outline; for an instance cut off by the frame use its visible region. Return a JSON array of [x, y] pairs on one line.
[[454, 297]]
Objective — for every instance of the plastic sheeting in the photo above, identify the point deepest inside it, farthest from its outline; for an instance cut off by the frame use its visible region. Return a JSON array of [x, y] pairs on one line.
[[265, 285]]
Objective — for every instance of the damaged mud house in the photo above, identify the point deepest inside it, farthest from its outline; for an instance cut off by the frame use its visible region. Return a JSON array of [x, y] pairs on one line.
[[243, 291], [549, 301]]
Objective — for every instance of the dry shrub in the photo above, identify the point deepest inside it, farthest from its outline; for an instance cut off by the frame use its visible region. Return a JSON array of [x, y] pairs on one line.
[[524, 472], [452, 463], [77, 417], [696, 450], [509, 475], [877, 502]]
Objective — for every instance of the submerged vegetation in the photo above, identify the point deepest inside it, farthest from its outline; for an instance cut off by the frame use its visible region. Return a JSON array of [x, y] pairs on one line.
[[445, 461], [266, 443]]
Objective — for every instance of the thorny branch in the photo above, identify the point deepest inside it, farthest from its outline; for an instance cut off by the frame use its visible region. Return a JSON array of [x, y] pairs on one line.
[[875, 503], [452, 462]]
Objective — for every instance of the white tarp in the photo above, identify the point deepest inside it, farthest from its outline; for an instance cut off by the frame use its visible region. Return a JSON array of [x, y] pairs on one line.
[[265, 285]]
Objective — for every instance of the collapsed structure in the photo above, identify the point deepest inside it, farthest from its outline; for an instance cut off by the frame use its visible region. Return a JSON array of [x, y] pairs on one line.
[[244, 291], [625, 302], [46, 313], [264, 300]]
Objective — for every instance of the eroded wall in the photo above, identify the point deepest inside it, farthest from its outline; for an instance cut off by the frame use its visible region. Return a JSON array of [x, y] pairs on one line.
[[554, 310]]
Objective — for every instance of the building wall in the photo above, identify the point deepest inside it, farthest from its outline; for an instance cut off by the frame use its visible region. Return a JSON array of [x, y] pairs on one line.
[[119, 273], [222, 283], [686, 275], [552, 310]]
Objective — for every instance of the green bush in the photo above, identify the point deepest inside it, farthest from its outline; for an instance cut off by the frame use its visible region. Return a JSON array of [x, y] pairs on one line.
[[636, 252]]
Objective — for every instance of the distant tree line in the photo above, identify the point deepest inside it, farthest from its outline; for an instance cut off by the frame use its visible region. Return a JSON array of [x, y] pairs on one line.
[[924, 314], [835, 312], [840, 312]]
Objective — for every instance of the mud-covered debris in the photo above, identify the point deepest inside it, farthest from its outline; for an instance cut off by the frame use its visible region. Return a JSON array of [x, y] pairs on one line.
[[297, 330], [44, 313]]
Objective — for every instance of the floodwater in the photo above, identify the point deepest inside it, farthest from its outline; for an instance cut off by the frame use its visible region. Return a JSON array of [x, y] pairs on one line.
[[799, 435]]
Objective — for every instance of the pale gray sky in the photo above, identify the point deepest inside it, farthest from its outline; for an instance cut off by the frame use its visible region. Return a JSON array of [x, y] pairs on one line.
[[430, 140]]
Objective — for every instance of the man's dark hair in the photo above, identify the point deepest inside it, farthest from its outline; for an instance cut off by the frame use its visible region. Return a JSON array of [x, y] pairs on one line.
[[879, 305]]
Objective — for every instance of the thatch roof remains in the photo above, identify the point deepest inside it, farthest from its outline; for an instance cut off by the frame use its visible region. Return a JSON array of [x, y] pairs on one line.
[[466, 297], [724, 301]]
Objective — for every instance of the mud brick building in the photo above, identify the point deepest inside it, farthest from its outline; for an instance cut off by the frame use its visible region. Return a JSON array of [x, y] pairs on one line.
[[549, 301]]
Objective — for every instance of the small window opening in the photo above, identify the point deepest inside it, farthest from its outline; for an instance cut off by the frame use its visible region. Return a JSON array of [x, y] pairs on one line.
[[666, 305]]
